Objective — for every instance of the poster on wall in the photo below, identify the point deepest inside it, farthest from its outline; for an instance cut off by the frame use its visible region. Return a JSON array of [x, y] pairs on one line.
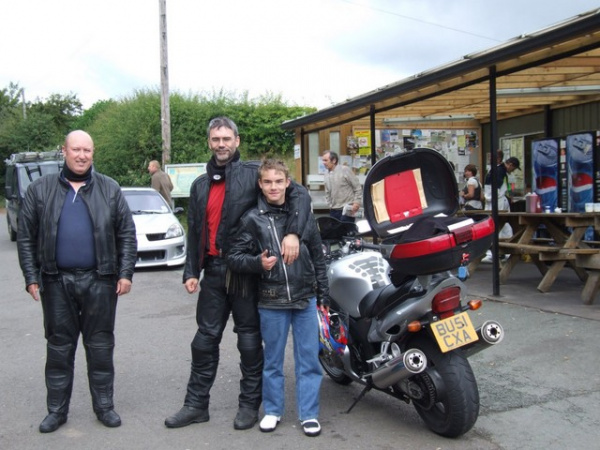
[[352, 143], [515, 147], [364, 142]]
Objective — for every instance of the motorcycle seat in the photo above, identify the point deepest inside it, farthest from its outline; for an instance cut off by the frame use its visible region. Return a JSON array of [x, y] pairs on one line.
[[379, 301]]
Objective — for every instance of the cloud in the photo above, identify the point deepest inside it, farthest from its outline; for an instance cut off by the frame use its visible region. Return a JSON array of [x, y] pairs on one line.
[[312, 52]]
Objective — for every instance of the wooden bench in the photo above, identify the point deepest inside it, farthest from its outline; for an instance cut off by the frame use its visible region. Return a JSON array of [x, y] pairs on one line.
[[514, 248], [545, 252]]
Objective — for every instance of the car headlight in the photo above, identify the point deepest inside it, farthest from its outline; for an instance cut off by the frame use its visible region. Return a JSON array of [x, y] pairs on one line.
[[174, 231]]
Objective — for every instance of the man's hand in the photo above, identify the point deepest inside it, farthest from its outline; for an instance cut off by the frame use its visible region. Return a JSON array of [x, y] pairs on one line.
[[191, 285], [123, 286], [290, 247], [34, 291], [355, 207], [268, 262]]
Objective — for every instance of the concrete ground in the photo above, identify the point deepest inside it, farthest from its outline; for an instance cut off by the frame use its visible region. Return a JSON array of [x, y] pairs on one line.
[[539, 388]]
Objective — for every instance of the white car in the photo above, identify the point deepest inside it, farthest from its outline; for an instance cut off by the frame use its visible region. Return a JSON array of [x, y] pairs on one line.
[[160, 237]]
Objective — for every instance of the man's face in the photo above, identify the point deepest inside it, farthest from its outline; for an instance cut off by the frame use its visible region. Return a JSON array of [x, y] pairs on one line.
[[329, 165], [223, 143], [78, 152], [152, 168], [273, 184]]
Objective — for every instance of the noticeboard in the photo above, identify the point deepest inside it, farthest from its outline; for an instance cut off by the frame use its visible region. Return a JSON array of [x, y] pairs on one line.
[[182, 176]]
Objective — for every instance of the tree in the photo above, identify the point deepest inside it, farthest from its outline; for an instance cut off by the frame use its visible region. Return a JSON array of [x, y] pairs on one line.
[[127, 133]]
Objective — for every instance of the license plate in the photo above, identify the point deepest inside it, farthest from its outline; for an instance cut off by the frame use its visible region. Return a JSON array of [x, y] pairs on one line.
[[454, 332]]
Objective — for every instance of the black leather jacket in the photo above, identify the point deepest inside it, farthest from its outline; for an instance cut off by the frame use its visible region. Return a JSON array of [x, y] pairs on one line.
[[284, 286], [241, 192], [114, 230]]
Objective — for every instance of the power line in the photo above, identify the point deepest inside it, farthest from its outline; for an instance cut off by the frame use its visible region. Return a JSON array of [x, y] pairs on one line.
[[384, 11]]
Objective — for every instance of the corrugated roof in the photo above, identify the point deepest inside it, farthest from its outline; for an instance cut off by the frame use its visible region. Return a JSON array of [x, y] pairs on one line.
[[555, 67]]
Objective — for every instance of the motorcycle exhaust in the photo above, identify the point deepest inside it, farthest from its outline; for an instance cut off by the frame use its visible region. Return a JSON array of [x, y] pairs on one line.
[[490, 333], [411, 362]]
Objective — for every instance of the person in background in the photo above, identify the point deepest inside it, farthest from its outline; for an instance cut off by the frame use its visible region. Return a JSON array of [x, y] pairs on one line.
[[343, 191], [471, 193], [504, 193], [218, 199], [504, 188], [77, 250], [288, 295], [160, 181]]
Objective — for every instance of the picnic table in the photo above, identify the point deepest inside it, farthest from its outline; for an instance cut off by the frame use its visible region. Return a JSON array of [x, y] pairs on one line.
[[563, 245]]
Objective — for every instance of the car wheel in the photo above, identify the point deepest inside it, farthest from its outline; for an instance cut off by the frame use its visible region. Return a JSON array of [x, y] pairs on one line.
[[11, 233]]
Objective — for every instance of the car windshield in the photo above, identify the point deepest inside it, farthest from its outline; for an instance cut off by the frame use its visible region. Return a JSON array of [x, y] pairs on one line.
[[146, 203]]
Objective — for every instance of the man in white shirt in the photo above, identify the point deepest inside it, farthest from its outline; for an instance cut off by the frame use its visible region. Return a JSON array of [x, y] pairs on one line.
[[343, 191]]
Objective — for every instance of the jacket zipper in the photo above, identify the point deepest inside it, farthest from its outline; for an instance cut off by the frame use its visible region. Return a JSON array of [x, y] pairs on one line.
[[287, 283]]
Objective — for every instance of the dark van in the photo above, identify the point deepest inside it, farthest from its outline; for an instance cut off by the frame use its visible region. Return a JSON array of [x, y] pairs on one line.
[[21, 170]]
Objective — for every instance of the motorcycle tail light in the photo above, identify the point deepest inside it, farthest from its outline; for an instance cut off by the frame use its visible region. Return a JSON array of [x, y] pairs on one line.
[[446, 301]]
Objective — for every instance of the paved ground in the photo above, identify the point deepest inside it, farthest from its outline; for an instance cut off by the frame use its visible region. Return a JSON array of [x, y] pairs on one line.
[[539, 388]]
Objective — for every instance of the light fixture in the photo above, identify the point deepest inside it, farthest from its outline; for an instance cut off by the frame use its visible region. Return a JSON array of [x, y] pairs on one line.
[[447, 118]]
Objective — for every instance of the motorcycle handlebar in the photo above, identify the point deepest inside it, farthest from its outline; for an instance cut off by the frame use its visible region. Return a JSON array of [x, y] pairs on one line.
[[369, 246]]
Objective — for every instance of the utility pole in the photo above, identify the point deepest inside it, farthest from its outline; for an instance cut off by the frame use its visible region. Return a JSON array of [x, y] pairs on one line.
[[165, 111], [23, 102]]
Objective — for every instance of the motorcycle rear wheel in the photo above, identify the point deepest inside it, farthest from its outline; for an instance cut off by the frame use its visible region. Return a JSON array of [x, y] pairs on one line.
[[333, 366], [453, 408]]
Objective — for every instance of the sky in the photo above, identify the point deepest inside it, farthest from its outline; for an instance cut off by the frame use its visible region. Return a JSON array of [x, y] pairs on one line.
[[310, 52]]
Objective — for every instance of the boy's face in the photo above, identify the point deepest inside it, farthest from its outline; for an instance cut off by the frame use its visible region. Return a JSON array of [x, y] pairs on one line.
[[273, 184]]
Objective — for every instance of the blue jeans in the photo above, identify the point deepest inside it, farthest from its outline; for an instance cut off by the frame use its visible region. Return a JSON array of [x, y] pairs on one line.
[[275, 326]]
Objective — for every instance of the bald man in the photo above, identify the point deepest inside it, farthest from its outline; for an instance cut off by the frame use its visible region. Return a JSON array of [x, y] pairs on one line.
[[77, 250]]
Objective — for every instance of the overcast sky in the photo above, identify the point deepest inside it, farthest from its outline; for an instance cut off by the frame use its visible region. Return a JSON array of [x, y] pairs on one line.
[[312, 52]]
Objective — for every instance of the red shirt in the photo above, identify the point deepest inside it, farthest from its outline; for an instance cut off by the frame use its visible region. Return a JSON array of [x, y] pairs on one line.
[[216, 196]]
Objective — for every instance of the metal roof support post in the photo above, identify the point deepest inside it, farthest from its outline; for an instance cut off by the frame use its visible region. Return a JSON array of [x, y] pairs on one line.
[[372, 127], [302, 153], [494, 171], [548, 125]]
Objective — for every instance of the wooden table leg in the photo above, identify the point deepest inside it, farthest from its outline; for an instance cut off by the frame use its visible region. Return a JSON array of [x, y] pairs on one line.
[[550, 276], [508, 266], [591, 288], [571, 242]]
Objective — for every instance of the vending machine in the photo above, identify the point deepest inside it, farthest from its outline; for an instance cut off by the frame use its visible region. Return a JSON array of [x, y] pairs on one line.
[[583, 164], [546, 179]]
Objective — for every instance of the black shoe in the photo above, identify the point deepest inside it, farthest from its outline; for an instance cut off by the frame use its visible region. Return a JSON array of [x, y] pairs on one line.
[[52, 422], [186, 416], [245, 419], [109, 418]]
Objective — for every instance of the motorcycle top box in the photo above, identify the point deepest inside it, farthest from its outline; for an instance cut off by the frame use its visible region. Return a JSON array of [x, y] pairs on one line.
[[410, 202]]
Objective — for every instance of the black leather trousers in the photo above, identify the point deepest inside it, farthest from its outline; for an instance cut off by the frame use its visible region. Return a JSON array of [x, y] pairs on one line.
[[213, 309], [79, 302]]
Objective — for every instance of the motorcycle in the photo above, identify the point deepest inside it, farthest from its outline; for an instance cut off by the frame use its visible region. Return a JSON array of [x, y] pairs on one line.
[[400, 305]]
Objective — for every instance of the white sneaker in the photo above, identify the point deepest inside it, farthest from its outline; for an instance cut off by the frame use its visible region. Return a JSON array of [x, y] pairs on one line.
[[311, 427], [269, 423], [487, 259]]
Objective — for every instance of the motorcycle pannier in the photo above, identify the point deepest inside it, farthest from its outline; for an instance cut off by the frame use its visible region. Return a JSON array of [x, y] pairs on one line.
[[410, 201]]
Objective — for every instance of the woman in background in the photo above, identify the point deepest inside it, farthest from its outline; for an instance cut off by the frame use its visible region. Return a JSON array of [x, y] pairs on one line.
[[471, 193]]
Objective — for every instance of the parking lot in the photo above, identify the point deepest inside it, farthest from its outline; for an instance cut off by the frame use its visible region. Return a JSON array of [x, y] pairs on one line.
[[539, 388]]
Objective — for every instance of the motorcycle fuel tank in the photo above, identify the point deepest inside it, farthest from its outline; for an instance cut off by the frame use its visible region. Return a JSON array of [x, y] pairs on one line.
[[354, 276]]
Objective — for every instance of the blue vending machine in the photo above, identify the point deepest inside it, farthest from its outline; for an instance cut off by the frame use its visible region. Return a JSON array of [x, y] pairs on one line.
[[544, 155], [583, 163]]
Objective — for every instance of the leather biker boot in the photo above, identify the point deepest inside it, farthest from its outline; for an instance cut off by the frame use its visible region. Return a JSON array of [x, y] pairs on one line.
[[101, 375], [60, 361], [251, 356], [205, 360], [187, 416]]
